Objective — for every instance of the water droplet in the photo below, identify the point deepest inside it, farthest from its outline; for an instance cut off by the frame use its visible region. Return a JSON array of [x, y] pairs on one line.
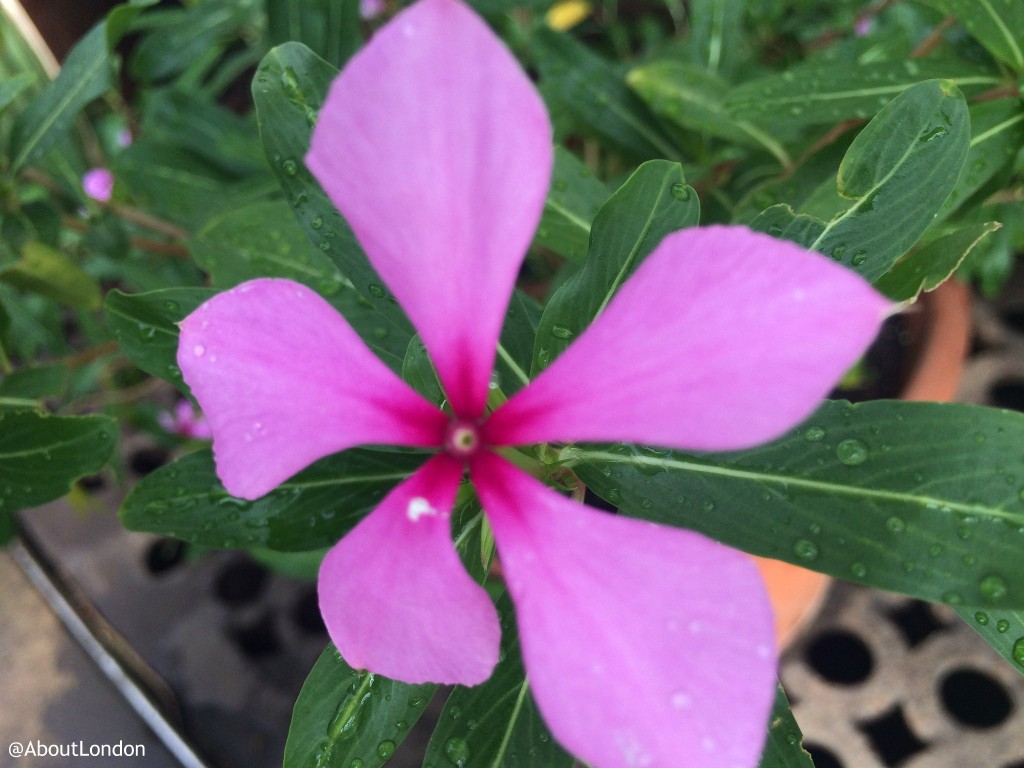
[[376, 291], [934, 133], [681, 700], [560, 332], [385, 749], [1002, 626], [357, 763], [457, 751], [859, 257], [814, 434], [172, 306], [979, 437], [838, 251], [417, 701], [805, 550], [981, 617], [290, 167], [402, 725], [454, 712], [852, 452], [859, 570], [993, 589], [680, 192], [935, 550], [1018, 651], [708, 505], [896, 524], [953, 598], [317, 222], [146, 332]]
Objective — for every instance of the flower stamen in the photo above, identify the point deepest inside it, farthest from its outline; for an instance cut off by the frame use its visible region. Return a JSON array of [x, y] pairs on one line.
[[462, 439]]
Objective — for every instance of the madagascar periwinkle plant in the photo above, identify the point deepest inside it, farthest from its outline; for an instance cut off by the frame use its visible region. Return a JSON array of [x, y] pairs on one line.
[[452, 274]]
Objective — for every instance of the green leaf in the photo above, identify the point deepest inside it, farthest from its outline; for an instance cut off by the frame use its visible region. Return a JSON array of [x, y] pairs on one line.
[[932, 265], [48, 272], [996, 24], [36, 382], [782, 222], [145, 327], [716, 33], [594, 91], [821, 94], [921, 498], [330, 28], [311, 510], [496, 723], [265, 240], [997, 133], [654, 201], [344, 717], [570, 207], [289, 89], [784, 747], [418, 372], [1003, 630], [40, 456], [693, 98], [515, 347], [11, 88], [898, 171]]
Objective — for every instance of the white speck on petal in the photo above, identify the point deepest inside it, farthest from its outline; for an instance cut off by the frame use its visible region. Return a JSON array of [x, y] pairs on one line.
[[681, 700], [198, 350], [418, 507], [632, 751]]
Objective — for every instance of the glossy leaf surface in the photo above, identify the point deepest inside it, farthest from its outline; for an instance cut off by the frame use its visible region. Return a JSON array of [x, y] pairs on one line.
[[346, 717], [926, 499], [40, 456], [309, 511]]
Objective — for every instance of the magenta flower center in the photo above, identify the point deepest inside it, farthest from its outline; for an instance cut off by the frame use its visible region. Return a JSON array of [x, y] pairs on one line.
[[461, 439]]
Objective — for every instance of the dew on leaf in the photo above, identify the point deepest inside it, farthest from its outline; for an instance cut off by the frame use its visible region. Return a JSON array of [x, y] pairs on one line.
[[680, 192], [981, 617], [993, 589], [385, 749], [814, 434], [1018, 651], [852, 452], [457, 751], [1002, 626], [805, 549]]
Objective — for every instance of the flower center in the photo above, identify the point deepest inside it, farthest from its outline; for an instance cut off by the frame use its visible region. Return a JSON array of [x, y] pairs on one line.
[[462, 439]]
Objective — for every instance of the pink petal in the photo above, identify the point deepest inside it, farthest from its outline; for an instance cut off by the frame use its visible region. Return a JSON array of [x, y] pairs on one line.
[[284, 380], [644, 645], [437, 150], [723, 338], [395, 597]]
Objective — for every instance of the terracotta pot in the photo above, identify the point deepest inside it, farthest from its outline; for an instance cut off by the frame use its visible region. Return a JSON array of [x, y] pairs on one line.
[[940, 326]]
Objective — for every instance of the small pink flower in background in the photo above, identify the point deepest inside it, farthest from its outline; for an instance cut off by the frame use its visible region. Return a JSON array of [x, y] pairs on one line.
[[370, 9], [185, 421], [98, 184], [124, 138], [644, 645], [863, 26]]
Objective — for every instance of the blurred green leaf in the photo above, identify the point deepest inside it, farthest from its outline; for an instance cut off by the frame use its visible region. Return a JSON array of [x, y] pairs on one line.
[[693, 98], [570, 207], [929, 267], [311, 510], [997, 134], [782, 222], [86, 75], [926, 499], [145, 327], [654, 201], [898, 171], [11, 87], [48, 272], [332, 29], [40, 456], [507, 728], [594, 91], [716, 34], [37, 382], [821, 94], [996, 24], [345, 717]]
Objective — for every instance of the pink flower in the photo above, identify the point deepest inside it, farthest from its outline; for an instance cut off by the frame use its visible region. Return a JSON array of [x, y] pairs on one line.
[[370, 9], [186, 421], [863, 26], [124, 138], [644, 645], [98, 184]]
